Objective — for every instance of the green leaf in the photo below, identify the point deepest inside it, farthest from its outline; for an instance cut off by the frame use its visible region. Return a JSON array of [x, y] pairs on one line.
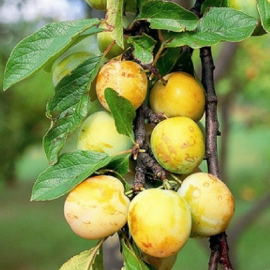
[[87, 260], [143, 48], [43, 47], [218, 24], [184, 62], [71, 169], [264, 10], [120, 164], [114, 20], [168, 60], [123, 112], [130, 5], [141, 3], [131, 260], [168, 16], [213, 3], [69, 106]]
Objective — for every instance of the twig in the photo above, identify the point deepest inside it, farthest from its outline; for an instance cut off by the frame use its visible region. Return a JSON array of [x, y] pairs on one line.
[[218, 243]]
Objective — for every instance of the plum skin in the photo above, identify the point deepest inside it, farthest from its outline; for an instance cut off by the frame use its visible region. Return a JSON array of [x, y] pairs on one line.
[[178, 144], [127, 78], [159, 222], [97, 207], [98, 133], [210, 201], [181, 96]]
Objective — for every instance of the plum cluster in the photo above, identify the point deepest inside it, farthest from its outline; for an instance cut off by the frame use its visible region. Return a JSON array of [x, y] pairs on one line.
[[160, 220]]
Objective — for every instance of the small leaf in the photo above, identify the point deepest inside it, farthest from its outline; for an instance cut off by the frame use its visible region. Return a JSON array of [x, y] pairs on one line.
[[43, 47], [120, 164], [131, 260], [87, 260], [168, 60], [264, 10], [143, 48], [218, 24], [123, 112], [69, 106], [168, 16], [71, 169]]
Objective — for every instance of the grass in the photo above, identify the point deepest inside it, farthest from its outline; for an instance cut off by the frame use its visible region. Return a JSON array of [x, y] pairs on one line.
[[35, 236]]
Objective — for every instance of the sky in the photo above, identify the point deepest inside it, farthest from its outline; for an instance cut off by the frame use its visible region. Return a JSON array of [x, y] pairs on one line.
[[57, 9]]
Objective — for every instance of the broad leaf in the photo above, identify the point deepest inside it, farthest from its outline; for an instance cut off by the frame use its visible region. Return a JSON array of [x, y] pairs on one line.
[[43, 47], [218, 24], [264, 10], [114, 20], [123, 112], [69, 107], [71, 169], [168, 16], [87, 260], [143, 48]]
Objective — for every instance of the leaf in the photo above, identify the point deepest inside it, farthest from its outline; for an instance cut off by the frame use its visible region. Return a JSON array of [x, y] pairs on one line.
[[43, 47], [218, 24], [130, 5], [89, 259], [168, 60], [213, 3], [123, 112], [71, 169], [120, 164], [69, 106], [131, 259], [114, 20], [143, 48], [141, 3], [264, 10], [168, 16], [184, 62]]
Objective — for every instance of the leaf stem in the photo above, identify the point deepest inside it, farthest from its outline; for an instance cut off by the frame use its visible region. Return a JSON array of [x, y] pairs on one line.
[[93, 254]]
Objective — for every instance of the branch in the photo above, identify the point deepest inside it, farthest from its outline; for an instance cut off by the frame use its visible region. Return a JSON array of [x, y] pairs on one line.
[[218, 243], [142, 152]]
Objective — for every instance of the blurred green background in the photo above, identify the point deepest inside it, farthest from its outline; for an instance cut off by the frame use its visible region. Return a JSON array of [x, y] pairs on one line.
[[35, 236]]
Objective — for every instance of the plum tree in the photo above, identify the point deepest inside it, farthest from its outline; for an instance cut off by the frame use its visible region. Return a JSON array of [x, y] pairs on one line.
[[127, 78], [152, 156], [178, 144], [159, 222], [98, 133], [97, 207], [181, 96], [210, 201]]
